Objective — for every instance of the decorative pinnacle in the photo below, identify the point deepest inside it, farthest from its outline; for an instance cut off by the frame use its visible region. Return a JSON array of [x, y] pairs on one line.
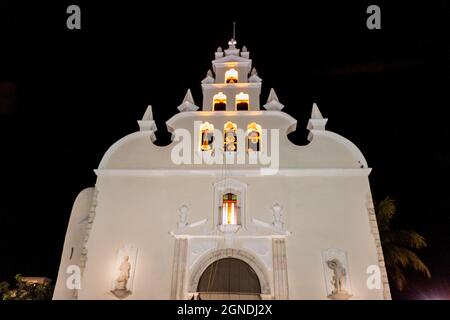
[[232, 42]]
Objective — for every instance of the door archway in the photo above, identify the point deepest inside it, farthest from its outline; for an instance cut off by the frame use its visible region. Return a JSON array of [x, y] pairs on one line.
[[207, 259], [229, 279]]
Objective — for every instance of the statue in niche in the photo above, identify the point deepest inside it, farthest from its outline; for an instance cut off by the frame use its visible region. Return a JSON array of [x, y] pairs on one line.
[[124, 275], [338, 280], [120, 287]]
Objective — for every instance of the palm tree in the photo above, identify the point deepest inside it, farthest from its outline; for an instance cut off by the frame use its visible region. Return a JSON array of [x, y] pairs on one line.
[[398, 245]]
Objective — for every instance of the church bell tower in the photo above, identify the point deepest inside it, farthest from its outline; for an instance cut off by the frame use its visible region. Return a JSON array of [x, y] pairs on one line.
[[232, 85]]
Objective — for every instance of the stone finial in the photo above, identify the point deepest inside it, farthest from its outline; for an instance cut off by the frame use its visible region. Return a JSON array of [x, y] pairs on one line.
[[254, 76], [188, 103], [147, 123], [317, 122], [209, 77], [315, 112], [272, 102]]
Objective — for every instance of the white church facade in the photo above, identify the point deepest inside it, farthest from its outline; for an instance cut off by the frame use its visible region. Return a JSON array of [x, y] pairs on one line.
[[231, 209]]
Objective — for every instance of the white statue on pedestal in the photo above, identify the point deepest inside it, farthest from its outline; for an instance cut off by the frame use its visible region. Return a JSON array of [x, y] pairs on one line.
[[338, 280], [124, 275], [120, 286]]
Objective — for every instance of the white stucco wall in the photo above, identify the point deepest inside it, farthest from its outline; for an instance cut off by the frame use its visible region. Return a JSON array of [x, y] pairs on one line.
[[73, 243], [321, 212]]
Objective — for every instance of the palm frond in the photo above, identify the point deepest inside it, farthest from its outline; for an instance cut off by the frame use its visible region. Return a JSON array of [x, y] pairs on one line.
[[406, 238], [397, 276], [397, 245], [404, 258], [385, 211]]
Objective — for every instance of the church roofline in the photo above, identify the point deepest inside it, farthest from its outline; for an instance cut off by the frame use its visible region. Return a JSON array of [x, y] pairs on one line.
[[231, 58], [354, 150], [300, 172]]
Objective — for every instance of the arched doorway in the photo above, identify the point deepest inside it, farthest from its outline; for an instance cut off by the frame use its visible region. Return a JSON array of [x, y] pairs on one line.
[[229, 279]]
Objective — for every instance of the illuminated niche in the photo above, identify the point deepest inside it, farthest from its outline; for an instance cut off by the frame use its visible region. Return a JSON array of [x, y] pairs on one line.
[[230, 209], [229, 205], [231, 76], [220, 102], [230, 137], [242, 102], [254, 137], [206, 136]]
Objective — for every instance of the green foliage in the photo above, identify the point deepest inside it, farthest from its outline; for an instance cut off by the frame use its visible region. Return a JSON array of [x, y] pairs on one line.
[[398, 245], [25, 291], [4, 288]]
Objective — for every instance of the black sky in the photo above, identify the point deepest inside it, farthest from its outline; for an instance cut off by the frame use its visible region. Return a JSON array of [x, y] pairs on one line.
[[66, 96]]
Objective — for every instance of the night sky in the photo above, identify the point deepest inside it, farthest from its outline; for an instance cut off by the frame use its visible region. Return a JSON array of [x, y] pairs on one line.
[[67, 95]]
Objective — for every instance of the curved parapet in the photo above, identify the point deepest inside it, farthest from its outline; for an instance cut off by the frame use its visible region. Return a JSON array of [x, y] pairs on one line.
[[73, 243], [348, 145], [136, 152]]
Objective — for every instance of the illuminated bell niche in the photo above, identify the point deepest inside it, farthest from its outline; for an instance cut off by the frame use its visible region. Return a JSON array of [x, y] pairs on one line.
[[242, 102], [231, 76], [220, 102], [206, 136], [254, 137], [230, 209], [230, 137]]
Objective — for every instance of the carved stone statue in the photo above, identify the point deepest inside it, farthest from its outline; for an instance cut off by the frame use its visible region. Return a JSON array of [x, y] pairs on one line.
[[277, 216], [338, 280], [124, 275], [183, 213], [121, 282]]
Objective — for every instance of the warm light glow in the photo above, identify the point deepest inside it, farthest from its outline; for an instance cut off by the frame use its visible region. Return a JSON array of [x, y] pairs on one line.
[[242, 97], [230, 138], [206, 136], [219, 102], [230, 210], [232, 216], [242, 101], [230, 126], [254, 137], [231, 76]]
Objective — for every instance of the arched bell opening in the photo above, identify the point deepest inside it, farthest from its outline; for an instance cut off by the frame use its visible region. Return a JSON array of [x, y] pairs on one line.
[[231, 76], [220, 102], [242, 102]]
